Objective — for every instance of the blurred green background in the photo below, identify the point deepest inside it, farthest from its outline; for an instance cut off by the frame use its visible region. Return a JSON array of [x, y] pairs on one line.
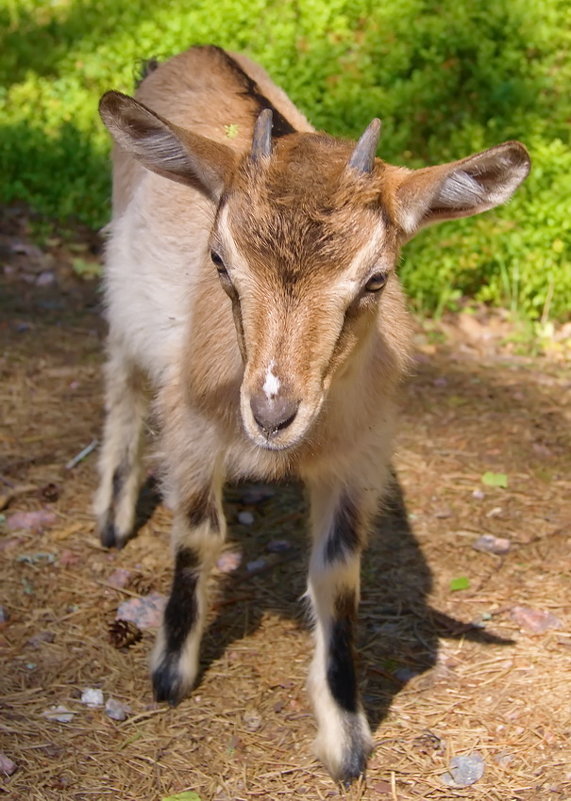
[[448, 78]]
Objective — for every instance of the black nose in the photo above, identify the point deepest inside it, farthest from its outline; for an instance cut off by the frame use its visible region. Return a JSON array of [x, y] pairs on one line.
[[273, 414]]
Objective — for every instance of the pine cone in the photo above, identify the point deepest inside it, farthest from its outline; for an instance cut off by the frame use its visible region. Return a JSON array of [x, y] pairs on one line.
[[123, 634]]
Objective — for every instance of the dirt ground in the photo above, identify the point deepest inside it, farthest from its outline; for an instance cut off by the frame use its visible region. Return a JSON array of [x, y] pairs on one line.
[[445, 672]]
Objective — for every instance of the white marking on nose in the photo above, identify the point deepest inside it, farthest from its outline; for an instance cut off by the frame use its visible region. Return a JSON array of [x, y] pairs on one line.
[[272, 383]]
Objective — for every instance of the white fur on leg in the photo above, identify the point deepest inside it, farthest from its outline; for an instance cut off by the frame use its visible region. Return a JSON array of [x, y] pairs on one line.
[[120, 460], [343, 740]]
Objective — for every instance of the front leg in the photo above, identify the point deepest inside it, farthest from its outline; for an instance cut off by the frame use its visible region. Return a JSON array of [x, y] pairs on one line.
[[198, 534], [338, 521]]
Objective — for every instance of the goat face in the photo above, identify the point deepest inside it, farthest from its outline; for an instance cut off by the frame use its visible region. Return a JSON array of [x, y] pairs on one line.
[[304, 251]]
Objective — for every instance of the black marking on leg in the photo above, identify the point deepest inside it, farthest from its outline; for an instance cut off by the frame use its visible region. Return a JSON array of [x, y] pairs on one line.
[[201, 508], [344, 537], [182, 607], [341, 676], [180, 616], [118, 480]]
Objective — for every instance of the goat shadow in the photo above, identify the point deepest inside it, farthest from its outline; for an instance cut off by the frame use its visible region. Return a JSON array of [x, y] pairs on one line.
[[398, 632]]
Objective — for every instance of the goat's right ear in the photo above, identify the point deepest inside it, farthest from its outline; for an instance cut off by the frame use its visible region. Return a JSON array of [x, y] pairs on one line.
[[165, 148]]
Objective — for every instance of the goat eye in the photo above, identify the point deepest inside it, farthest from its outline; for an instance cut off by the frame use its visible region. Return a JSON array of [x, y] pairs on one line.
[[218, 261], [376, 282]]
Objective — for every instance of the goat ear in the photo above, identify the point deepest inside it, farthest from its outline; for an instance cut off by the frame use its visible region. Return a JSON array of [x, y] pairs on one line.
[[461, 188], [165, 148]]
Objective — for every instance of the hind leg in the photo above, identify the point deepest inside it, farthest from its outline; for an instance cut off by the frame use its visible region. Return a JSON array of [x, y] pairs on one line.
[[121, 451]]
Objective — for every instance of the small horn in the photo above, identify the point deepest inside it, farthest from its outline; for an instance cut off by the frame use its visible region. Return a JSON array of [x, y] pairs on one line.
[[363, 157], [262, 141]]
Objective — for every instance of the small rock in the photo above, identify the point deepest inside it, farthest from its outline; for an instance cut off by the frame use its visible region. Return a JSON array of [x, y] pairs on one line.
[[145, 612], [68, 558], [464, 770], [504, 758], [92, 697], [60, 713], [534, 621], [41, 637], [490, 544], [116, 710], [6, 765], [35, 521], [443, 513], [382, 788], [495, 512], [119, 578], [252, 719], [256, 565], [257, 493], [246, 518], [45, 278], [4, 615], [229, 561], [26, 249], [478, 494], [278, 546], [404, 674]]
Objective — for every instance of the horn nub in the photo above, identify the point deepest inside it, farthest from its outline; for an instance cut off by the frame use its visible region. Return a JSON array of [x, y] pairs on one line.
[[363, 157], [262, 140]]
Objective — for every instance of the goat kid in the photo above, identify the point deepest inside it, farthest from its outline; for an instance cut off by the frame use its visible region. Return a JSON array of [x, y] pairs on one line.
[[250, 282]]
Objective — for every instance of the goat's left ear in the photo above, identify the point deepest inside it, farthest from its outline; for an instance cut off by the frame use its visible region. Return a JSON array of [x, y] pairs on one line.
[[460, 188]]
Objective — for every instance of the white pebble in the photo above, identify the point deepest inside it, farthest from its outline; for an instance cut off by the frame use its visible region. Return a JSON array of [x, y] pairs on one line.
[[60, 713], [92, 697], [116, 710], [245, 518]]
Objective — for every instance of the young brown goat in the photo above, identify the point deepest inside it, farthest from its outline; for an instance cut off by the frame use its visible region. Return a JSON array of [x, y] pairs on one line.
[[251, 283]]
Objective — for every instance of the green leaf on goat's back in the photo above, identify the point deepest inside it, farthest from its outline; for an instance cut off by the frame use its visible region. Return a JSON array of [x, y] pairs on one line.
[[460, 583], [495, 480]]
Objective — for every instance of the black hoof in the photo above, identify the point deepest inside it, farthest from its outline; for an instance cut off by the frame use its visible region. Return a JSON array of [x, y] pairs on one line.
[[354, 765], [110, 538], [167, 685]]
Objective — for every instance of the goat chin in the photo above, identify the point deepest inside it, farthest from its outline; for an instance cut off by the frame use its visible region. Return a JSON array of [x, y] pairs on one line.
[[252, 299]]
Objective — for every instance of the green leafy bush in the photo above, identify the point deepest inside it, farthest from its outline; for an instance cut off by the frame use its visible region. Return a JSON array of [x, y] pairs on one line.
[[448, 78]]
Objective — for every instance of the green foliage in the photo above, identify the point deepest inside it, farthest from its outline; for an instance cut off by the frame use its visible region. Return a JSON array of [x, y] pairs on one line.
[[448, 78], [495, 480], [460, 583], [186, 796]]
